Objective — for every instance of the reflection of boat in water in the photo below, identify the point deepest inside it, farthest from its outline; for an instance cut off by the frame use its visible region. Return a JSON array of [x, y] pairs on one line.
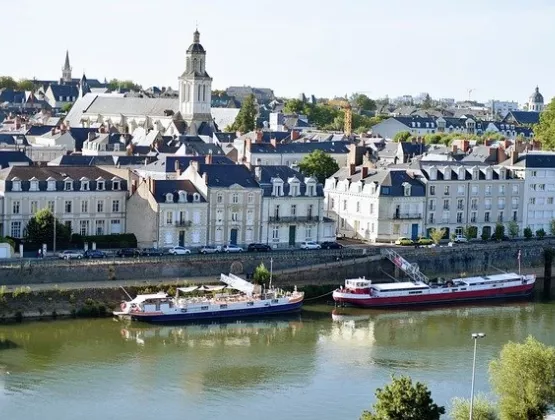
[[142, 335], [421, 292], [250, 301]]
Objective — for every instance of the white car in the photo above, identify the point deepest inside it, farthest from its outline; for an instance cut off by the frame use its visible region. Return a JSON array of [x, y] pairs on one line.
[[310, 245], [460, 239], [70, 255], [232, 248], [178, 250], [208, 249]]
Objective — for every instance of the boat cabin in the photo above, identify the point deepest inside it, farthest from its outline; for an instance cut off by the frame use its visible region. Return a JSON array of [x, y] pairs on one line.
[[360, 285]]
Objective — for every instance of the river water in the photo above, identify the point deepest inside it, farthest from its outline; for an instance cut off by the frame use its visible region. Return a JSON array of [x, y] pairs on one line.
[[312, 366]]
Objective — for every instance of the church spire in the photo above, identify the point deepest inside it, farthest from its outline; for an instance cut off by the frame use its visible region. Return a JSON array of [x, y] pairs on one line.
[[196, 36], [66, 70]]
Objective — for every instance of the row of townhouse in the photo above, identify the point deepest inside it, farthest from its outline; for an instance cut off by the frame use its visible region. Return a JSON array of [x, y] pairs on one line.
[[410, 200], [204, 204]]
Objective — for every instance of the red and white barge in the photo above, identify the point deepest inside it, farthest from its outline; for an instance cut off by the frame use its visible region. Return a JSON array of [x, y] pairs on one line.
[[362, 292]]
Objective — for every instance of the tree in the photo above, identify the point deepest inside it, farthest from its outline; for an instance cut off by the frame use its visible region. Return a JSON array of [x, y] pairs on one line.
[[401, 136], [527, 232], [427, 103], [246, 118], [552, 227], [484, 235], [482, 409], [319, 165], [540, 233], [40, 230], [544, 131], [513, 229], [401, 400], [261, 274], [499, 231], [470, 232], [116, 84], [25, 84], [8, 83], [294, 106], [67, 107], [523, 377], [363, 102], [10, 241], [437, 235]]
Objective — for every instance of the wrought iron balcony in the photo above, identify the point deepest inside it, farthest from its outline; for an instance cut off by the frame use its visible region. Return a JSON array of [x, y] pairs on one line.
[[183, 223], [407, 216], [293, 219]]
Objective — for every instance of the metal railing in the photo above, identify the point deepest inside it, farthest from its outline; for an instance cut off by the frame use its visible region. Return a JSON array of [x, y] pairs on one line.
[[292, 219], [401, 216]]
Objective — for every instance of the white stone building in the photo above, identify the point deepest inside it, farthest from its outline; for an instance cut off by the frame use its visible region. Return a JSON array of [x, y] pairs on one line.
[[377, 205]]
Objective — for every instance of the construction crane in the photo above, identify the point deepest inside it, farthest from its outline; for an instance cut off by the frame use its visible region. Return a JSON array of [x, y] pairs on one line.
[[348, 110]]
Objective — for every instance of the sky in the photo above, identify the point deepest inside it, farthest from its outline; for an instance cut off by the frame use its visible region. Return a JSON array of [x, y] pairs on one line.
[[501, 49]]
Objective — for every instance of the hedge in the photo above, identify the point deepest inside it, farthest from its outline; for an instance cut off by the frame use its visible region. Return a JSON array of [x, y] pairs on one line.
[[124, 240]]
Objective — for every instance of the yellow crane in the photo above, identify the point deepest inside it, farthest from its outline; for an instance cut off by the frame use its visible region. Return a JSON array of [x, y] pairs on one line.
[[348, 118]]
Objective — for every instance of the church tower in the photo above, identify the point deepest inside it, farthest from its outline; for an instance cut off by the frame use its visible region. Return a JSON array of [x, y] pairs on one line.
[[195, 86], [66, 70], [535, 103]]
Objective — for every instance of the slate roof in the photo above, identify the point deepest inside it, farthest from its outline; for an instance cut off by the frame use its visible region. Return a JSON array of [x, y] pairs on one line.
[[13, 139], [227, 175], [269, 172], [80, 135], [454, 174], [534, 160], [408, 121], [64, 90], [523, 117], [8, 157], [80, 160], [267, 136], [167, 163], [132, 106], [225, 137], [174, 186], [202, 149], [12, 96], [327, 147]]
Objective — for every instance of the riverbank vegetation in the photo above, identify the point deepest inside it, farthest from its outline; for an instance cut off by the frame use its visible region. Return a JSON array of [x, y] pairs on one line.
[[522, 377]]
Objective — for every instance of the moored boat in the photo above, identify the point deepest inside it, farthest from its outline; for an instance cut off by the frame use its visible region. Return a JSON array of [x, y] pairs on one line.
[[248, 300], [362, 292]]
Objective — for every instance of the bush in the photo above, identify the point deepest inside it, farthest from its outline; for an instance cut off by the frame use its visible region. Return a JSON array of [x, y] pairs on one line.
[[124, 240], [484, 236], [527, 232], [483, 409], [540, 233]]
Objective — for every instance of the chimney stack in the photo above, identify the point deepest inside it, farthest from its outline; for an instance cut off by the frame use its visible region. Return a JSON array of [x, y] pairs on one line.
[[177, 167], [514, 157], [295, 135], [194, 163], [364, 172], [258, 173], [259, 135], [273, 142], [205, 178], [352, 169], [454, 148], [208, 159]]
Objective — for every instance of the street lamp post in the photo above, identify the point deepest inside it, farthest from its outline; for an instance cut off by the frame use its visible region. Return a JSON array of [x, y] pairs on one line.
[[475, 337]]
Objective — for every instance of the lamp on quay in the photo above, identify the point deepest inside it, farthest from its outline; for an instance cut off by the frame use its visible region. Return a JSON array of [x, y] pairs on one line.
[[475, 337]]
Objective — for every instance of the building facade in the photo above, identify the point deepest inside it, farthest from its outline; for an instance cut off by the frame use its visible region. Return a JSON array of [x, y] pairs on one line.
[[89, 200], [478, 195], [377, 205], [292, 208]]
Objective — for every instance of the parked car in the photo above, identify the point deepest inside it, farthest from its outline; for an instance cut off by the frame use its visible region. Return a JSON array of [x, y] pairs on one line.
[[459, 239], [258, 248], [154, 252], [424, 241], [404, 241], [127, 252], [232, 248], [94, 253], [503, 238], [310, 245], [70, 255], [179, 250], [331, 245], [210, 249]]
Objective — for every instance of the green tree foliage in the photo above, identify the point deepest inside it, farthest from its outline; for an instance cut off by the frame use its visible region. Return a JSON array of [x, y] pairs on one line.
[[523, 377], [261, 274], [527, 232], [427, 103], [295, 106], [552, 227], [545, 130], [403, 400], [540, 233], [40, 230], [10, 241], [116, 84], [319, 165], [513, 229], [26, 85], [437, 235], [363, 102], [7, 82], [402, 136], [470, 232], [499, 231], [482, 409], [246, 118], [67, 107]]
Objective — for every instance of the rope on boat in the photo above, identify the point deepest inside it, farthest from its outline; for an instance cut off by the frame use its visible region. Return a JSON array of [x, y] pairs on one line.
[[321, 296]]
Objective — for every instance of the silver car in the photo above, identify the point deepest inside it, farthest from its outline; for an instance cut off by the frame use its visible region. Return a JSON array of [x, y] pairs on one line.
[[70, 255], [210, 249], [232, 248]]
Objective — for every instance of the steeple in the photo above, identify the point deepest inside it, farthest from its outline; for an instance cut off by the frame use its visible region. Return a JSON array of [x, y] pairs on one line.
[[66, 70]]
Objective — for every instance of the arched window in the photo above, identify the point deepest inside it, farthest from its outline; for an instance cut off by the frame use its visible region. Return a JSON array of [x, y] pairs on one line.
[[196, 197], [169, 198], [182, 197], [198, 95]]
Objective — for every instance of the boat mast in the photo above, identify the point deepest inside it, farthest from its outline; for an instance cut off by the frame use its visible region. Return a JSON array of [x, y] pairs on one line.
[[271, 270]]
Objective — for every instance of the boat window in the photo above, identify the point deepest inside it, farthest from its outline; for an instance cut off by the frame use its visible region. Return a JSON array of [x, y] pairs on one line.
[[250, 303], [223, 306], [464, 288], [454, 290], [204, 308], [275, 301], [414, 293]]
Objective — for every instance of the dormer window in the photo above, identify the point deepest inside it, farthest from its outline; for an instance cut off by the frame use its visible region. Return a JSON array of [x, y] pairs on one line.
[[220, 198], [50, 184], [447, 173], [502, 173], [461, 174], [182, 197], [34, 184], [116, 185], [16, 184], [475, 173], [100, 185], [85, 185], [406, 189], [68, 185], [310, 190], [433, 173], [235, 198], [294, 190], [196, 197], [277, 190], [489, 173], [169, 198]]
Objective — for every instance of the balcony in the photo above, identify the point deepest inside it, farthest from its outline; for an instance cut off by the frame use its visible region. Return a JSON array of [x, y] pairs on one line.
[[183, 223], [407, 216], [293, 219]]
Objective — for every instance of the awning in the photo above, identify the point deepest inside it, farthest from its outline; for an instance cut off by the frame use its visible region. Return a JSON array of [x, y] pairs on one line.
[[187, 289]]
